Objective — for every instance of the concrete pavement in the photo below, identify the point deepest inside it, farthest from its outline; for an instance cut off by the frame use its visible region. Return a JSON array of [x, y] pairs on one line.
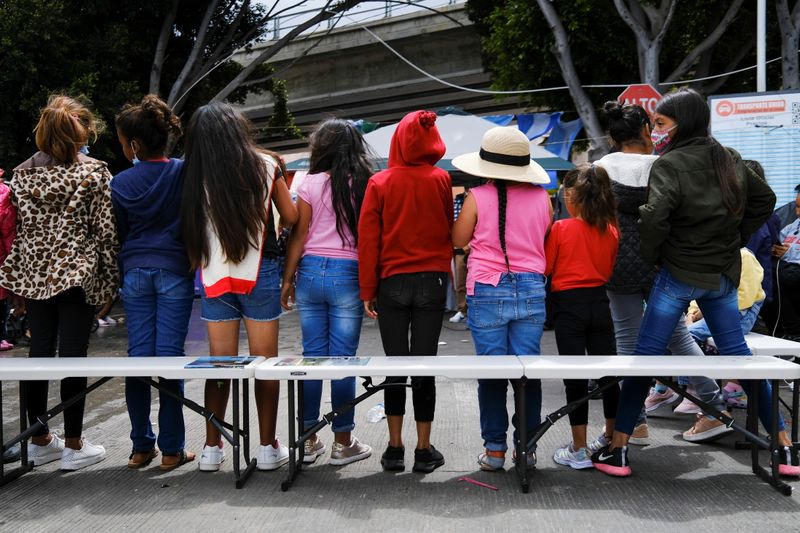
[[675, 486]]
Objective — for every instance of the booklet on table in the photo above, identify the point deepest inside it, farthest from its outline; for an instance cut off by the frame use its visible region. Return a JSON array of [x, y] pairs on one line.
[[232, 361]]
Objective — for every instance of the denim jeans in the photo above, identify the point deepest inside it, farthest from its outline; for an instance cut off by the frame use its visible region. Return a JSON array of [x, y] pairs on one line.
[[331, 313], [507, 320], [668, 300], [627, 310], [747, 319], [158, 304], [412, 304]]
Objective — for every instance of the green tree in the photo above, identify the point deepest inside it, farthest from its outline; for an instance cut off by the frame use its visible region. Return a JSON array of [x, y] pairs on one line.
[[605, 49], [112, 52]]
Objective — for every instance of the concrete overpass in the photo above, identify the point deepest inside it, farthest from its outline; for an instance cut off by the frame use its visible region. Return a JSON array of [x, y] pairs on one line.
[[349, 74]]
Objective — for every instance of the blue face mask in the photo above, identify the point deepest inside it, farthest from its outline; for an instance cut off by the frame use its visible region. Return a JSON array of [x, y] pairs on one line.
[[84, 149], [135, 159]]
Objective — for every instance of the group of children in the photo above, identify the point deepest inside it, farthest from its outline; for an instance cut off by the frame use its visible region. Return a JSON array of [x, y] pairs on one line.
[[379, 245]]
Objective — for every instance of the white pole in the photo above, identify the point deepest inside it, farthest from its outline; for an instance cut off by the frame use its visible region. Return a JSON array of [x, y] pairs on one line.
[[761, 46]]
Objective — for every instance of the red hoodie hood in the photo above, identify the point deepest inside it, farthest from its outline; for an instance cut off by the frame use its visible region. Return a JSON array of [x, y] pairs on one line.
[[416, 141]]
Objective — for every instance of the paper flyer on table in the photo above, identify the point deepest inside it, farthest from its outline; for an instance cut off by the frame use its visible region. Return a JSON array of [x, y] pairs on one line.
[[234, 361], [323, 361]]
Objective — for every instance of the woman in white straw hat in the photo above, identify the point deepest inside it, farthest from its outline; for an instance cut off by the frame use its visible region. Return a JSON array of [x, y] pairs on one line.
[[505, 222]]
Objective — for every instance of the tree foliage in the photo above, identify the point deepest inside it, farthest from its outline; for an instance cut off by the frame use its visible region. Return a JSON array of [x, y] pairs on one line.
[[518, 47], [106, 51]]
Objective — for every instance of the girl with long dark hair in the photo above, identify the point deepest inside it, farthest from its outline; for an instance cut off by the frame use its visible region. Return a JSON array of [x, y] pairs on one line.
[[505, 223], [322, 261], [227, 221], [703, 202], [629, 129]]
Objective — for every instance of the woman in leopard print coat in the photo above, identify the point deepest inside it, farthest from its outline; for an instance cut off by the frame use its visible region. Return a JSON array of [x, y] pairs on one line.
[[63, 262]]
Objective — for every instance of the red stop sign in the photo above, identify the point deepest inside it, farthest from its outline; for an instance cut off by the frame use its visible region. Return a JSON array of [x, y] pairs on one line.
[[642, 94]]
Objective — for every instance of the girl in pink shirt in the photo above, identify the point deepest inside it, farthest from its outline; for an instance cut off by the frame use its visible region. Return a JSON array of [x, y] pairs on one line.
[[321, 274], [505, 223]]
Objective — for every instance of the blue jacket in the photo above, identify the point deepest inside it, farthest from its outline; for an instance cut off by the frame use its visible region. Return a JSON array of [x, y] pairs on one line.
[[760, 244], [147, 203]]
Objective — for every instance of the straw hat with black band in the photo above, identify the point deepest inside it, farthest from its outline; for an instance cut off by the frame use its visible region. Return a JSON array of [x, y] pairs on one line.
[[505, 154]]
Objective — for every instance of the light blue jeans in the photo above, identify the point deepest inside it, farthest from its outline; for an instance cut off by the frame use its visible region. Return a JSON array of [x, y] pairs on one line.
[[747, 319], [331, 313], [627, 311], [158, 304], [507, 320], [668, 300]]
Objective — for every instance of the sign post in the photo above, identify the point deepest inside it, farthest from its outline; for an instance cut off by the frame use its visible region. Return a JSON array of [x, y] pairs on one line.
[[642, 94]]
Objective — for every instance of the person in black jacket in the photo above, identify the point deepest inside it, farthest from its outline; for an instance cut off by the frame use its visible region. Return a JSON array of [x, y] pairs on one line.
[[702, 204], [629, 169]]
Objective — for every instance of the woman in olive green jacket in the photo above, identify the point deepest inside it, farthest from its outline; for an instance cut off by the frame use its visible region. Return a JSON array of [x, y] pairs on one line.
[[702, 206]]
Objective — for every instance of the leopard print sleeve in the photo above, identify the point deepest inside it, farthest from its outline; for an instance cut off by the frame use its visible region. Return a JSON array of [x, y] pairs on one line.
[[103, 227]]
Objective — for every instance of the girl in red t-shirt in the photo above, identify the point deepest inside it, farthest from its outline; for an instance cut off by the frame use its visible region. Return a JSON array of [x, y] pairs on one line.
[[580, 259]]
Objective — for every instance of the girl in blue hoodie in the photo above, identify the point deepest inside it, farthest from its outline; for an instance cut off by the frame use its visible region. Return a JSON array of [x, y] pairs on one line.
[[158, 287]]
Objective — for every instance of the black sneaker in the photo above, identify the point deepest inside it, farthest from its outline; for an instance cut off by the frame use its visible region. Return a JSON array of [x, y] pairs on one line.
[[426, 461], [392, 459], [613, 463]]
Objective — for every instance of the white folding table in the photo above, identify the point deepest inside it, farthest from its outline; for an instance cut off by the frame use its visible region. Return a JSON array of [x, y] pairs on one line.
[[298, 369], [767, 345], [145, 368], [663, 367]]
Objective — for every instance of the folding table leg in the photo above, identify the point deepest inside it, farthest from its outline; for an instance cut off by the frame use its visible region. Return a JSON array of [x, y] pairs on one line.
[[26, 433], [293, 466], [771, 476], [25, 466], [241, 477], [521, 443], [795, 407], [234, 433], [750, 431]]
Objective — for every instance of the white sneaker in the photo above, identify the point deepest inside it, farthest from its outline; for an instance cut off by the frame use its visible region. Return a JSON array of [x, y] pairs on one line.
[[210, 458], [271, 458], [41, 455], [107, 321], [458, 317], [313, 448], [89, 454]]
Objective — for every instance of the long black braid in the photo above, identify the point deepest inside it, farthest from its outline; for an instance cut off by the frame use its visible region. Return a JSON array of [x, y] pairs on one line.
[[502, 200]]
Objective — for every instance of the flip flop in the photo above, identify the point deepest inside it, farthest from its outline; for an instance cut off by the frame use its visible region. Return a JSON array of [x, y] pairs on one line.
[[141, 459], [183, 458]]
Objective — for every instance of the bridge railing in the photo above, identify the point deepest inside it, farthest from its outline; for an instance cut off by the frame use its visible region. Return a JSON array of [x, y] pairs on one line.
[[366, 13]]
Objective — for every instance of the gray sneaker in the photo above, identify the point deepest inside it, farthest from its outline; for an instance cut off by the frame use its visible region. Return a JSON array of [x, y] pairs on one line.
[[313, 448], [597, 444], [344, 455]]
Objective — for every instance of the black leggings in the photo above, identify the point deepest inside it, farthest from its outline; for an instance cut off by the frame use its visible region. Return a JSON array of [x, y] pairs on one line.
[[65, 318], [583, 325], [416, 302]]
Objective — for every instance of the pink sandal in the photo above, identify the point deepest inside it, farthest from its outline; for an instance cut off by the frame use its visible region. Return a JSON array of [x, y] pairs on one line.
[[5, 346]]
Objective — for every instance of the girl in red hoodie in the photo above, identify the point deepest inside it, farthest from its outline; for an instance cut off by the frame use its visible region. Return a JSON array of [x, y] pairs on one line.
[[404, 255]]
